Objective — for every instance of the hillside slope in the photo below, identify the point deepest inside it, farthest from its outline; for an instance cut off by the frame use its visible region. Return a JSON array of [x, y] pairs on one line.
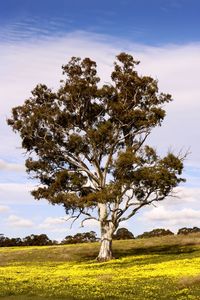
[[154, 268]]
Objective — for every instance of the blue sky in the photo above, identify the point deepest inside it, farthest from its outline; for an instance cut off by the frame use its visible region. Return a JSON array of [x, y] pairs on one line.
[[37, 37], [153, 22]]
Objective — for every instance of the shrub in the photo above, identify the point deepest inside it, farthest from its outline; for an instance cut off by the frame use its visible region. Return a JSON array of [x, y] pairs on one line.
[[84, 237], [9, 242], [37, 240], [155, 233], [186, 230], [123, 234]]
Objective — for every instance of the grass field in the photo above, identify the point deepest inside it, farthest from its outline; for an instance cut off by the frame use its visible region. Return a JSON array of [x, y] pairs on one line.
[[155, 268]]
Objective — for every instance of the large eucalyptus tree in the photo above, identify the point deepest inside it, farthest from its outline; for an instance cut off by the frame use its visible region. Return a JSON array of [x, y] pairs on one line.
[[86, 144]]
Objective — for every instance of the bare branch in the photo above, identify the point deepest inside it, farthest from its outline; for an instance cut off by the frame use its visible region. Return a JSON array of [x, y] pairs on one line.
[[72, 217], [134, 211], [88, 218], [82, 166]]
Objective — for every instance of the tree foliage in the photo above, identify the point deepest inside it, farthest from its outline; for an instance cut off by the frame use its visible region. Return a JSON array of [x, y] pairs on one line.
[[186, 230], [155, 233], [123, 234], [37, 240], [30, 240], [86, 142], [84, 237]]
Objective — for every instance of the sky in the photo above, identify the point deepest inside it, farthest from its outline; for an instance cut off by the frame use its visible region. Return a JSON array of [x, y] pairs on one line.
[[38, 37]]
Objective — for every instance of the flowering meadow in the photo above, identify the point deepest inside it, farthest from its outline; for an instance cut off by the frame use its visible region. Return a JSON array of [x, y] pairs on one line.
[[156, 268]]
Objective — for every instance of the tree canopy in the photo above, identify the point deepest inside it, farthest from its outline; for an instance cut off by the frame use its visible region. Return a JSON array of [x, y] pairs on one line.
[[86, 144], [123, 234]]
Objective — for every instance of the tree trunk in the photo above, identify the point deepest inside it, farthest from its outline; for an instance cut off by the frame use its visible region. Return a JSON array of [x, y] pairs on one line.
[[105, 252]]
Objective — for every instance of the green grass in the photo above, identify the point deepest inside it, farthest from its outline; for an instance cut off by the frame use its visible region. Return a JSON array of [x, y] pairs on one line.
[[155, 268]]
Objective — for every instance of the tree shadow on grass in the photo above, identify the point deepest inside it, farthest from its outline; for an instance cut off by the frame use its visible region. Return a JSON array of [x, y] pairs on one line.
[[164, 252], [164, 249]]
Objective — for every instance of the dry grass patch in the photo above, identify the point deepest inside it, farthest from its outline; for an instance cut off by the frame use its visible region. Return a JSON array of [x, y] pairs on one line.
[[105, 277], [188, 281]]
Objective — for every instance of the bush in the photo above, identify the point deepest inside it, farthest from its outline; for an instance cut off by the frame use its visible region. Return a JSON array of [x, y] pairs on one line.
[[84, 237], [9, 242], [123, 234], [155, 233], [186, 230], [37, 240]]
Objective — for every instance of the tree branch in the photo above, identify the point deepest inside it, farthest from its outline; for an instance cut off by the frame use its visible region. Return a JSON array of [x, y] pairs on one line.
[[139, 207], [88, 218], [82, 166]]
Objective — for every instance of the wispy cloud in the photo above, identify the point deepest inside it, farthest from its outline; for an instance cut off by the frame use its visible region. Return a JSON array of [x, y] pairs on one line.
[[16, 193], [60, 224], [186, 216], [53, 223], [30, 29], [183, 196], [16, 221], [174, 212], [91, 223], [11, 166], [4, 208], [176, 67]]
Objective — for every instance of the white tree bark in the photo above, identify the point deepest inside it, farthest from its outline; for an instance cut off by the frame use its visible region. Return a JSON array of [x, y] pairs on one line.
[[107, 230]]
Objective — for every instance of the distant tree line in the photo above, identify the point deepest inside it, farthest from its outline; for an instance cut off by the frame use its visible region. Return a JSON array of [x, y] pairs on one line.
[[88, 237], [31, 240], [164, 232], [43, 240], [125, 234]]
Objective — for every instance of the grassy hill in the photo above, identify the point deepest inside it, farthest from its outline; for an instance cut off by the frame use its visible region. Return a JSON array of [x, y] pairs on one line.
[[154, 268]]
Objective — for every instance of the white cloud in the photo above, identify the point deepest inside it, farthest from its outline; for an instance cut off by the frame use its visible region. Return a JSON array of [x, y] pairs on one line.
[[54, 225], [17, 193], [11, 166], [58, 230], [162, 214], [177, 68], [173, 219], [52, 222], [44, 59], [183, 196], [187, 194], [91, 223], [15, 221], [60, 224], [173, 213], [4, 208]]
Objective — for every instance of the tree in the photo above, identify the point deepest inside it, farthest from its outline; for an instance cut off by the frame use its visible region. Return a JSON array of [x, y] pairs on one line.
[[123, 234], [86, 144], [37, 240], [9, 242], [2, 240], [186, 230], [155, 233], [84, 237]]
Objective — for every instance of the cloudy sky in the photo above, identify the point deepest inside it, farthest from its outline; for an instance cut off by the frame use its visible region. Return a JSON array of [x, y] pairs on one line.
[[38, 37]]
